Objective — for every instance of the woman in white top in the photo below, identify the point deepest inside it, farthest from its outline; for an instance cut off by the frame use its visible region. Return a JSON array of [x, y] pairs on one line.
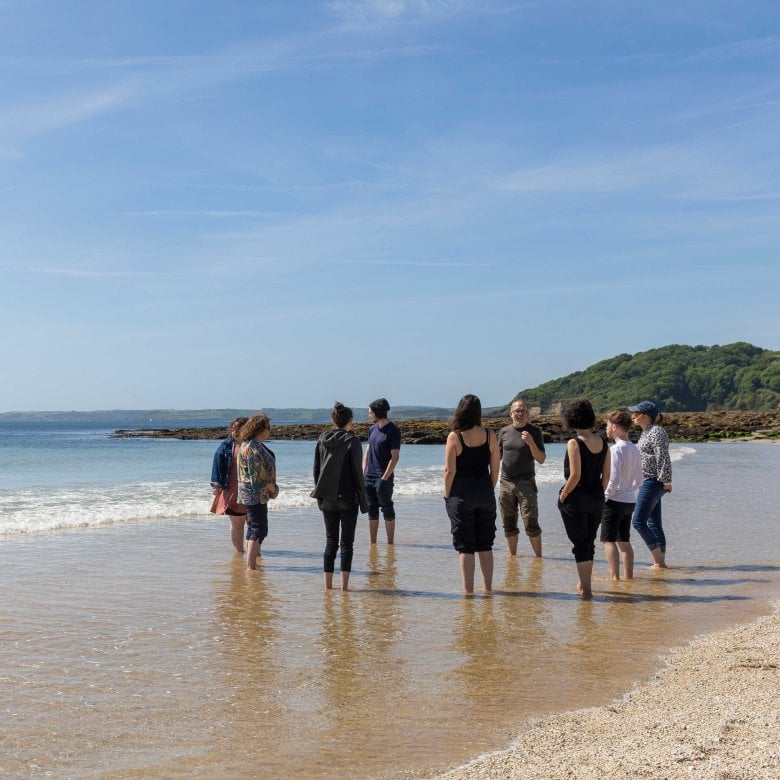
[[625, 477]]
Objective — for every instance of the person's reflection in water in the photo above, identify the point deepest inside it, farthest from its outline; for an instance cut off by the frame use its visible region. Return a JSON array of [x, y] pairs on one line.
[[528, 600], [246, 660], [486, 664], [383, 618], [523, 628], [342, 659], [249, 618], [382, 575]]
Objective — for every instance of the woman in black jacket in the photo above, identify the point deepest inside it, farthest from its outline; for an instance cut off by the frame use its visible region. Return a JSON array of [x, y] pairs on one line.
[[340, 490]]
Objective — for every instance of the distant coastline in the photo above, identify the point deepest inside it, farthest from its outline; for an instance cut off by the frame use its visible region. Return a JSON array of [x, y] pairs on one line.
[[681, 426], [212, 417]]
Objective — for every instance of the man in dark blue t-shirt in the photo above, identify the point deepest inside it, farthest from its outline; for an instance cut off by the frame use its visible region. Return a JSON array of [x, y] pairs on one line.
[[384, 449]]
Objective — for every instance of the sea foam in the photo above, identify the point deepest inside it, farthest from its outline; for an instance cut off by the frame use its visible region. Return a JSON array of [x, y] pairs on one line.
[[38, 509]]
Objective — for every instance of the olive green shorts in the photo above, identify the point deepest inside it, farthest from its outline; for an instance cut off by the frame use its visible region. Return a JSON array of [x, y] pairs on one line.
[[519, 494]]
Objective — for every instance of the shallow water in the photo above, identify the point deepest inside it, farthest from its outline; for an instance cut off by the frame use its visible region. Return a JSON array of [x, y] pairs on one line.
[[148, 650]]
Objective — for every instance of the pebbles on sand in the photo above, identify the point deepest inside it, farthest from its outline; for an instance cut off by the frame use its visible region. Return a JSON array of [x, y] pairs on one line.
[[712, 712]]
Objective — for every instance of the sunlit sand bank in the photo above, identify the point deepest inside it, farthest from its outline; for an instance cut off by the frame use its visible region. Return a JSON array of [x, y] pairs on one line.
[[712, 712]]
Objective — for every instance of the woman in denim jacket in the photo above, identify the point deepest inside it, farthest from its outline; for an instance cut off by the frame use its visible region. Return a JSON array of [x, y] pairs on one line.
[[224, 484]]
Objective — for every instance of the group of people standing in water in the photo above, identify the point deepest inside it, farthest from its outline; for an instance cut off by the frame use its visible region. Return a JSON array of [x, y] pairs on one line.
[[612, 488], [243, 479]]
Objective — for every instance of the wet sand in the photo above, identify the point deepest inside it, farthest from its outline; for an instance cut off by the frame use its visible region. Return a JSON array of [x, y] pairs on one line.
[[149, 651], [712, 712]]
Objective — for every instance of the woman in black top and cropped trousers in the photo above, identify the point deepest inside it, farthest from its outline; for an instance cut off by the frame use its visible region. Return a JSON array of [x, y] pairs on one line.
[[470, 476], [586, 467]]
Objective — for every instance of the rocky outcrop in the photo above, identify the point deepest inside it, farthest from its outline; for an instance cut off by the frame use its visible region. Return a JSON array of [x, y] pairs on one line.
[[681, 426]]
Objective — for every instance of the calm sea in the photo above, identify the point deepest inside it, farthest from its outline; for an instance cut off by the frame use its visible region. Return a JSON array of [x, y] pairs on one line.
[[134, 643]]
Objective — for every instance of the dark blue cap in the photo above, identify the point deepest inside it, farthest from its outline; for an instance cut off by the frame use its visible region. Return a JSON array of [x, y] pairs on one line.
[[645, 407]]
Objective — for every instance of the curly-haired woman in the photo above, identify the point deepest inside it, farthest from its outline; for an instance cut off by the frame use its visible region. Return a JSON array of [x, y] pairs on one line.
[[256, 482], [586, 467]]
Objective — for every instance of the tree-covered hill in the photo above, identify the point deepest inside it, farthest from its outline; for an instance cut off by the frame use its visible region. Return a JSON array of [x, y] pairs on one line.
[[676, 377]]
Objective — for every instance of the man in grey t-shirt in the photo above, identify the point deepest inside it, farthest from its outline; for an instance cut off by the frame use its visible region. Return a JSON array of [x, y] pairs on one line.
[[521, 446]]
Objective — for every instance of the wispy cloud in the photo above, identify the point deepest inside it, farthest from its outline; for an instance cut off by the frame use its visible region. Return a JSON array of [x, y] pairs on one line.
[[151, 79], [749, 48], [577, 176], [206, 214], [9, 153], [692, 171], [363, 14], [91, 274], [62, 111], [422, 263], [362, 11]]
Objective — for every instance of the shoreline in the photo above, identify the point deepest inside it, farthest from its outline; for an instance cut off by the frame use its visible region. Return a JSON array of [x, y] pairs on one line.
[[711, 711]]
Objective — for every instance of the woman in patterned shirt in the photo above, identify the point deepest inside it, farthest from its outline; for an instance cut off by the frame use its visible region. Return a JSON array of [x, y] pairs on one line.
[[256, 482], [657, 471]]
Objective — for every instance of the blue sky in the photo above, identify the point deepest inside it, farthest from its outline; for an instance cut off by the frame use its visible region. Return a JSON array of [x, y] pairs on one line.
[[259, 204]]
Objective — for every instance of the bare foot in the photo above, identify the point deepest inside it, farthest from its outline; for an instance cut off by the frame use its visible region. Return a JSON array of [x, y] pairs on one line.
[[586, 595], [615, 578], [658, 566]]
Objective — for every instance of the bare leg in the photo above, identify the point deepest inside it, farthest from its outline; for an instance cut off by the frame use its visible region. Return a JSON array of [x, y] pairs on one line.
[[511, 543], [237, 531], [486, 566], [390, 528], [252, 551], [467, 572], [536, 545], [585, 570], [613, 560], [328, 577], [627, 555], [373, 527], [345, 580], [659, 559]]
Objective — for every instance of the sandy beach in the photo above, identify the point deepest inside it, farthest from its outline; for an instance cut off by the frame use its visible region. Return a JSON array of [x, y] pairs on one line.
[[712, 712], [144, 648]]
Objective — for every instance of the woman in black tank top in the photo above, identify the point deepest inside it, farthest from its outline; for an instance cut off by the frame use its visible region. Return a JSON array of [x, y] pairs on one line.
[[586, 467], [470, 476]]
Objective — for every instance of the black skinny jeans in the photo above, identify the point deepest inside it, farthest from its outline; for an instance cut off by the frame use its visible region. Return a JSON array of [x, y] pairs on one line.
[[347, 519]]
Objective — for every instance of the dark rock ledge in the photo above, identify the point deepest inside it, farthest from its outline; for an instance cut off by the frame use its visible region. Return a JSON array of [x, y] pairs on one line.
[[681, 426]]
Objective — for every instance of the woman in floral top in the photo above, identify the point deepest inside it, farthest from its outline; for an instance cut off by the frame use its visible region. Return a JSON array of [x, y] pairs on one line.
[[256, 482], [657, 471]]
